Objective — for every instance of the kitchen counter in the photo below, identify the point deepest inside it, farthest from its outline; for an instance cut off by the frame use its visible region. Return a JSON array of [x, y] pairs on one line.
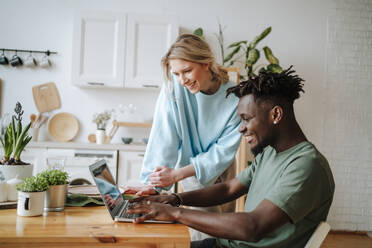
[[94, 146], [86, 227]]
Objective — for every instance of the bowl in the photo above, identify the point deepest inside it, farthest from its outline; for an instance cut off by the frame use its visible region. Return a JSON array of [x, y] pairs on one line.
[[63, 127], [127, 140]]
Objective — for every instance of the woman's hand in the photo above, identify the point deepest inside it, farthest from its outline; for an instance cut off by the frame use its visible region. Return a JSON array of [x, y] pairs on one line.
[[163, 177], [141, 191], [153, 211]]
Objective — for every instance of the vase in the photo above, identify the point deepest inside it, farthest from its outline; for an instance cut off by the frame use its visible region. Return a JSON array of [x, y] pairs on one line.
[[30, 203], [55, 198], [11, 171], [100, 136]]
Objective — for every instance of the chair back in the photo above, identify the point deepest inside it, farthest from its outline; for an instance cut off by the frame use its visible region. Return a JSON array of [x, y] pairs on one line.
[[318, 236]]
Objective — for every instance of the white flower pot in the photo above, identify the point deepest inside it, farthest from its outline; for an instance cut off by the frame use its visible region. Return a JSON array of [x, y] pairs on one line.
[[30, 203], [11, 171]]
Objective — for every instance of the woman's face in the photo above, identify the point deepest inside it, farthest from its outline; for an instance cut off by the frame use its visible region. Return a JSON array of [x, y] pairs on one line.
[[193, 76]]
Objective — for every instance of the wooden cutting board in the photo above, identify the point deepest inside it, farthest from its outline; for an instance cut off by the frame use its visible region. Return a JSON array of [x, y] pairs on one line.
[[46, 97]]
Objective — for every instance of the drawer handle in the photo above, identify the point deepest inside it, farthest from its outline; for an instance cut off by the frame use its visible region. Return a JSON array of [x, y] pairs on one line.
[[150, 86], [95, 83], [141, 155]]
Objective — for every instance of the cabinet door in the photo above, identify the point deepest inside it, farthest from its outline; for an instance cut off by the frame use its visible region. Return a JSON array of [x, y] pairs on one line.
[[37, 157], [148, 39], [98, 49], [129, 169]]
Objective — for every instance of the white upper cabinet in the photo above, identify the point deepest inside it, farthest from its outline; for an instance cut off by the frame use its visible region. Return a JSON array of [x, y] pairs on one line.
[[109, 52], [98, 49], [148, 39]]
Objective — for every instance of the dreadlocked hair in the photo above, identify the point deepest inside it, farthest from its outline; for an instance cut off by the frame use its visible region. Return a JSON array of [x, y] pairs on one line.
[[268, 85]]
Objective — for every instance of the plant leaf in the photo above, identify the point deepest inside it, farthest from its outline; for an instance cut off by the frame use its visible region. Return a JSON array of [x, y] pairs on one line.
[[259, 37], [274, 68], [228, 57], [269, 56], [253, 56], [237, 43], [198, 32]]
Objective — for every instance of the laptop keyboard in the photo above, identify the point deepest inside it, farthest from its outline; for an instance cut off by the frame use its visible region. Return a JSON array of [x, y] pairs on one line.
[[124, 214]]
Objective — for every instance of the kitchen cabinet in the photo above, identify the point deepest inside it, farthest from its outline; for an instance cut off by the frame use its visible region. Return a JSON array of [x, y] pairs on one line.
[[129, 167], [98, 49], [148, 39], [37, 157], [120, 50]]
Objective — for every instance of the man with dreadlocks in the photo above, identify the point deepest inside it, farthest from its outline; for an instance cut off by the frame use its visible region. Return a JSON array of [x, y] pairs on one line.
[[289, 185]]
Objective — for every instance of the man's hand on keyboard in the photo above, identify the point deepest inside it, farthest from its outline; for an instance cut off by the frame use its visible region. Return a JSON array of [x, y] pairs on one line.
[[153, 211]]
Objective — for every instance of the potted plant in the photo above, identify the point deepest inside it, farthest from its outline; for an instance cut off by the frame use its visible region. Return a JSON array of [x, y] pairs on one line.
[[31, 194], [101, 121], [55, 198], [247, 53], [14, 141]]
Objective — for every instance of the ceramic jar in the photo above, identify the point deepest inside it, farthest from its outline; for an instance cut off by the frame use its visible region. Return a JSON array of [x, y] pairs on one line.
[[11, 188], [100, 136]]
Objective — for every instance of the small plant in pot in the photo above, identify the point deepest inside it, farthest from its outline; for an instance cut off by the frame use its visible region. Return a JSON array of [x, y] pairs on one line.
[[14, 140], [31, 194], [56, 194]]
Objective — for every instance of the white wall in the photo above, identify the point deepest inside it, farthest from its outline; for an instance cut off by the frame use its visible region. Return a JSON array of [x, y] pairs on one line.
[[299, 38]]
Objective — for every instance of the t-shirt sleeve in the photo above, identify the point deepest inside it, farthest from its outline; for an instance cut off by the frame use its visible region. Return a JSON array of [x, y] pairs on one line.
[[245, 177], [300, 188]]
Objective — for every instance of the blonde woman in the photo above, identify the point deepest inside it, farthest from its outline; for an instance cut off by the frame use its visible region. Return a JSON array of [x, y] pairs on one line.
[[194, 137]]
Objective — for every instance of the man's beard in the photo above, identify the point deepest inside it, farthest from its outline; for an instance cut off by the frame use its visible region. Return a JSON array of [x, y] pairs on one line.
[[257, 149]]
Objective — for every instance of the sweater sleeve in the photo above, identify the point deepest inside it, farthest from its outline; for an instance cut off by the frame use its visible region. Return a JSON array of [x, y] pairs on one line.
[[212, 163], [164, 141]]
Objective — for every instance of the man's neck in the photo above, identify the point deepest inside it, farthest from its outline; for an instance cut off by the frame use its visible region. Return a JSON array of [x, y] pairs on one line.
[[289, 136]]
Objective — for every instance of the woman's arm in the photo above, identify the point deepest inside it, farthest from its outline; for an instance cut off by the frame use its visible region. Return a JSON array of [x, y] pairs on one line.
[[164, 176]]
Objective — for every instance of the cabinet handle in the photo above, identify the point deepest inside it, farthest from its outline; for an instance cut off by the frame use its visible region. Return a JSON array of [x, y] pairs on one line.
[[95, 83], [141, 155], [150, 86]]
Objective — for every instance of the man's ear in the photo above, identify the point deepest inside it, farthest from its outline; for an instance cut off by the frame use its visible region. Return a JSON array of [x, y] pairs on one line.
[[276, 114]]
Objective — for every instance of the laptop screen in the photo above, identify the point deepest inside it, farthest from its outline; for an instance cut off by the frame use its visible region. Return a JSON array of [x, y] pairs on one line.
[[110, 193]]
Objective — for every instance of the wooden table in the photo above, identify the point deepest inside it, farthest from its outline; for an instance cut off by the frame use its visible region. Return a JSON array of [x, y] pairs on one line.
[[86, 227]]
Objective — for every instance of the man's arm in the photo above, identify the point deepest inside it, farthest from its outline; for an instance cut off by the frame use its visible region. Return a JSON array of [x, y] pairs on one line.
[[215, 194], [251, 226]]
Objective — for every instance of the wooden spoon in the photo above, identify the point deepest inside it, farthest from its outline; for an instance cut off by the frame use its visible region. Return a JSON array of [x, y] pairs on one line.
[[33, 119]]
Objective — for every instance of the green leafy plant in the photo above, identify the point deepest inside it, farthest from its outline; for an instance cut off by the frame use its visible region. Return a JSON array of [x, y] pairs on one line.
[[15, 138], [54, 177], [33, 184], [247, 53]]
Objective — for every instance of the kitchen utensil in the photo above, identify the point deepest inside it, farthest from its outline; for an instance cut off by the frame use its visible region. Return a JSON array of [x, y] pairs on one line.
[[30, 61], [3, 59], [92, 138], [46, 97], [63, 127], [33, 119]]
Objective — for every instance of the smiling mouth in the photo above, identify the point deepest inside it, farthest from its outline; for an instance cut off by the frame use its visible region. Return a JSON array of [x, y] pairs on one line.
[[192, 85]]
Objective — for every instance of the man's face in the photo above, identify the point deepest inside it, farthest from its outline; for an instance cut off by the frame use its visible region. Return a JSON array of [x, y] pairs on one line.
[[256, 126]]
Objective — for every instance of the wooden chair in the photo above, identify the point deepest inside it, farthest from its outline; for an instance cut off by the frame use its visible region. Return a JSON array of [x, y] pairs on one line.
[[318, 236], [243, 155]]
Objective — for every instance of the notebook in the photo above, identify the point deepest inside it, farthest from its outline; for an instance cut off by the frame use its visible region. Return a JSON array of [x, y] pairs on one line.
[[111, 196]]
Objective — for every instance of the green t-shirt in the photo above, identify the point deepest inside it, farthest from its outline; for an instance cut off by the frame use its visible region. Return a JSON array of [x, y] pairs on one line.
[[298, 181]]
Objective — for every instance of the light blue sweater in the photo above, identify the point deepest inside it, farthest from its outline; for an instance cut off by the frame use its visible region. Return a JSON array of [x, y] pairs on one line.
[[195, 129]]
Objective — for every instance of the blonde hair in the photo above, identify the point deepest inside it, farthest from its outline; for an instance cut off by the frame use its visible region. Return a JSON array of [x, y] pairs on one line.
[[192, 48]]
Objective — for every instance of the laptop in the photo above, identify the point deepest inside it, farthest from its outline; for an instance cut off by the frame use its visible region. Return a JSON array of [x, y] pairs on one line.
[[111, 196]]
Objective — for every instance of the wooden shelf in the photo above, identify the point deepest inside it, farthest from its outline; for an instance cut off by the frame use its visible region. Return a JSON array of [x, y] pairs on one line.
[[117, 124]]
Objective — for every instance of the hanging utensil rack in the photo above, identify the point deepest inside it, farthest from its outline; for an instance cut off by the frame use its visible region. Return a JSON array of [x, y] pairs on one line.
[[47, 52]]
